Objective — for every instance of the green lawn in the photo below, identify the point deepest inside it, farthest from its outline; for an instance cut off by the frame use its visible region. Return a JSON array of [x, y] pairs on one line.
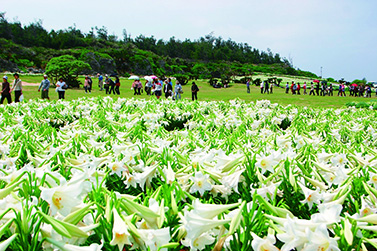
[[206, 93]]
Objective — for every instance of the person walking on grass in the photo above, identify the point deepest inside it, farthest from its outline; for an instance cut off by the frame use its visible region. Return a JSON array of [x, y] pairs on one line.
[[87, 85], [168, 89], [311, 89], [117, 85], [317, 88], [17, 87], [368, 90], [194, 91], [60, 88], [261, 87], [178, 90], [139, 87], [45, 86], [107, 84], [304, 87], [298, 89], [248, 86], [100, 81], [5, 93], [112, 86], [266, 88], [157, 87], [287, 88], [331, 89]]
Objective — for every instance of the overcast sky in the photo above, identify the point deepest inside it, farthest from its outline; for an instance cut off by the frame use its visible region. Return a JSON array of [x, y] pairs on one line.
[[338, 35]]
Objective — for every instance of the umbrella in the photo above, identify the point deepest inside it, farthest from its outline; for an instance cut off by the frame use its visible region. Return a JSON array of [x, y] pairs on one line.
[[354, 84], [148, 78], [153, 76], [133, 77], [316, 81]]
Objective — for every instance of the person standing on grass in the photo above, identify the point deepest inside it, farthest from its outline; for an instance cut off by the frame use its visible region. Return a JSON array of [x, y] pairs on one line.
[[87, 85], [107, 84], [17, 87], [134, 86], [178, 90], [45, 86], [100, 81], [266, 88], [287, 88], [248, 86], [261, 87], [90, 84], [168, 89], [294, 88], [60, 88], [304, 87], [298, 88], [331, 89], [5, 93], [194, 91], [112, 86], [148, 87], [117, 85], [157, 87], [271, 86], [139, 87], [368, 90]]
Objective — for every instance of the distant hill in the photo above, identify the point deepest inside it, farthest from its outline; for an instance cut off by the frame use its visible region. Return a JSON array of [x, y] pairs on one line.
[[29, 48]]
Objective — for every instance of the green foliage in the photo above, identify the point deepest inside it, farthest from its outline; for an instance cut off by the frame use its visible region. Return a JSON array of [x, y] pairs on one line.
[[360, 82], [66, 67], [203, 58]]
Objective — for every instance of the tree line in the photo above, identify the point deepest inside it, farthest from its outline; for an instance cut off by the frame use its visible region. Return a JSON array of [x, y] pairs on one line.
[[204, 57]]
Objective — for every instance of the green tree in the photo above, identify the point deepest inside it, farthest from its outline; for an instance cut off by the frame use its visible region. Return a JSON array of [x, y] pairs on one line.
[[68, 68]]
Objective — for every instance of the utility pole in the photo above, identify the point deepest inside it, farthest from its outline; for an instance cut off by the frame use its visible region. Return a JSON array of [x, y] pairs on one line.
[[321, 71]]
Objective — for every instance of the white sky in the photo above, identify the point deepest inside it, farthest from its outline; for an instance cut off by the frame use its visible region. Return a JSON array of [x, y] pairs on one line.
[[338, 35]]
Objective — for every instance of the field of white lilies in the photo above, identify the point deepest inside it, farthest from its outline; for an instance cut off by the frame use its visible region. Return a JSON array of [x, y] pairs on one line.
[[127, 174]]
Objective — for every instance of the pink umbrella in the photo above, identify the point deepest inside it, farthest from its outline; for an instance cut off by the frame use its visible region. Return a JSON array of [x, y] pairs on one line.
[[316, 81], [152, 76]]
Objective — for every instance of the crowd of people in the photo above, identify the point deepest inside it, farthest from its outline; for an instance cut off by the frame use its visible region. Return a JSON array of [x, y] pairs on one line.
[[317, 88], [325, 89], [153, 86], [159, 86], [156, 86], [6, 92]]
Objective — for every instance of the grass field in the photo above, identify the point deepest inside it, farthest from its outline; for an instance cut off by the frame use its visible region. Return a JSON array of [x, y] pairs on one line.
[[206, 93]]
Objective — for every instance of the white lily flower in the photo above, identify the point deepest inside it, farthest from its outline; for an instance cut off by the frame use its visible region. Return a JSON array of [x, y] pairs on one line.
[[265, 244], [155, 238], [62, 199], [266, 163], [121, 236], [200, 183], [311, 196], [320, 240]]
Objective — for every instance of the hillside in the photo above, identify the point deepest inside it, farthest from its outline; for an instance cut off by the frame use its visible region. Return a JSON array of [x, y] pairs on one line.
[[29, 48]]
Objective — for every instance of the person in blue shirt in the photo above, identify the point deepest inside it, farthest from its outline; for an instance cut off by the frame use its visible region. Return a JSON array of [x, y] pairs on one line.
[[45, 86], [100, 81]]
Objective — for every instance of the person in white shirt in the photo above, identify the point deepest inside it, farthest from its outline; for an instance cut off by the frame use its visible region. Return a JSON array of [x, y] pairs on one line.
[[60, 88], [178, 90], [17, 87]]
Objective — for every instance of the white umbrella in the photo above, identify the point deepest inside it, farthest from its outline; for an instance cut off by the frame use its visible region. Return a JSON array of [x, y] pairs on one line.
[[148, 78], [134, 77]]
